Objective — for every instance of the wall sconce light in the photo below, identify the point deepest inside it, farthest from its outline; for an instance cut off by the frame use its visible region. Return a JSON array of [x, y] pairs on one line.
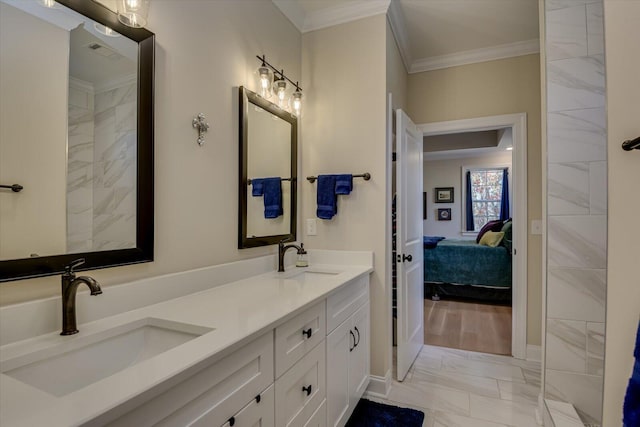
[[296, 102], [133, 13], [48, 3], [268, 73], [280, 88], [266, 76]]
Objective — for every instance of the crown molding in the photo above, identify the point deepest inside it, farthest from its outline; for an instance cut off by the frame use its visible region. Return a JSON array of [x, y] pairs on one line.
[[345, 13], [510, 50], [399, 30], [292, 11]]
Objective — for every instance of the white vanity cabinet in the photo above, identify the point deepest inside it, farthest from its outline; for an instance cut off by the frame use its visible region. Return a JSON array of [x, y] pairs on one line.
[[308, 371], [347, 351], [215, 394]]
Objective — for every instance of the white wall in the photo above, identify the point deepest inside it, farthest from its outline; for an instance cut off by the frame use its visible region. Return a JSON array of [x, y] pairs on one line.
[[205, 50], [33, 135], [448, 173], [622, 37], [344, 132]]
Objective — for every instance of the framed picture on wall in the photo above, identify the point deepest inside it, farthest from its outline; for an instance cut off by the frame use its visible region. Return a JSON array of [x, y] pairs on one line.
[[444, 214], [443, 194], [424, 205]]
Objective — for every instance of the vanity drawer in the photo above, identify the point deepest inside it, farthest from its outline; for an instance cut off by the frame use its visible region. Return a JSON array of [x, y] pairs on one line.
[[299, 335], [254, 414], [214, 394], [302, 389], [346, 301], [319, 418]]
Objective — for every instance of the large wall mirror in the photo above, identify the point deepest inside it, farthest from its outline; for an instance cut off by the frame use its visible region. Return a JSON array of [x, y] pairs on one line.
[[268, 160], [76, 133]]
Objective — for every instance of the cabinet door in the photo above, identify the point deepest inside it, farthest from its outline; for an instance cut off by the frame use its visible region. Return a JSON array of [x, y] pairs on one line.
[[339, 345], [359, 357], [257, 413]]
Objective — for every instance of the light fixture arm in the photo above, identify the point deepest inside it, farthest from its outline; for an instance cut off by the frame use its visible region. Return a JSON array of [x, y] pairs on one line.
[[283, 76]]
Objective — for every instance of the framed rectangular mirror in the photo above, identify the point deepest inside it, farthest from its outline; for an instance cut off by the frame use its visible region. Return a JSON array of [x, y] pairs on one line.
[[76, 132], [268, 149]]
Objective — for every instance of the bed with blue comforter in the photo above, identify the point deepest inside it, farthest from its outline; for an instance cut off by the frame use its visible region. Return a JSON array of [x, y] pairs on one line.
[[463, 268]]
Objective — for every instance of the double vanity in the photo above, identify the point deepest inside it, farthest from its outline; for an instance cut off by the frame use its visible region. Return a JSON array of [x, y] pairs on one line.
[[285, 349]]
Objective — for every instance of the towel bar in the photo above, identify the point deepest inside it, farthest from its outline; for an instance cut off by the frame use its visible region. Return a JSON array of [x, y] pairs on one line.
[[283, 179], [366, 176], [631, 144], [16, 188]]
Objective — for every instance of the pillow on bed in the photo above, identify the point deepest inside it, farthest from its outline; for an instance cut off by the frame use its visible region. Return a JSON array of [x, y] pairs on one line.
[[492, 238], [508, 238], [490, 226]]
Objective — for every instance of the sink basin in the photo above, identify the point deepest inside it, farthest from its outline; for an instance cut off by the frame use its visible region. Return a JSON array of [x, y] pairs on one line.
[[312, 275], [68, 367]]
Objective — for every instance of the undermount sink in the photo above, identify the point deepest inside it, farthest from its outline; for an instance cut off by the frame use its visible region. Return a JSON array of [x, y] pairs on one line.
[[84, 360], [312, 275]]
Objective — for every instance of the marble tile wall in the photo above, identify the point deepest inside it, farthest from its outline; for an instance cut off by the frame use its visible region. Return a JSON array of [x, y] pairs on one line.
[[80, 167], [114, 185], [576, 205]]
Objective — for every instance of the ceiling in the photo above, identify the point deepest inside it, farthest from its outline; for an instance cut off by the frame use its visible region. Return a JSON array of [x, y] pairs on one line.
[[433, 34]]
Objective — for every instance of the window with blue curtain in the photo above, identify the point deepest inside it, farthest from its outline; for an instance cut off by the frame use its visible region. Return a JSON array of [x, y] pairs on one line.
[[487, 197]]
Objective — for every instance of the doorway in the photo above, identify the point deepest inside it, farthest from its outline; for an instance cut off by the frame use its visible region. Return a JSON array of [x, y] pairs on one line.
[[516, 125]]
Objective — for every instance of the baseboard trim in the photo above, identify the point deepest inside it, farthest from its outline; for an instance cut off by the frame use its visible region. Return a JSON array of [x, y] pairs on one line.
[[379, 386], [534, 353]]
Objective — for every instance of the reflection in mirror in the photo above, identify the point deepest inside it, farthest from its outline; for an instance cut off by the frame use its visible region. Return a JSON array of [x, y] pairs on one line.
[[74, 115], [268, 141]]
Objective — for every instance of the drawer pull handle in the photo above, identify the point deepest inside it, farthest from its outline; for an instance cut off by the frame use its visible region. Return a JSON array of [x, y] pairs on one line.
[[258, 398], [357, 342], [232, 421], [354, 341], [307, 333], [307, 389]]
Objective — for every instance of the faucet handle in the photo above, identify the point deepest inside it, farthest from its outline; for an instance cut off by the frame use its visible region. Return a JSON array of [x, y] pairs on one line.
[[75, 263]]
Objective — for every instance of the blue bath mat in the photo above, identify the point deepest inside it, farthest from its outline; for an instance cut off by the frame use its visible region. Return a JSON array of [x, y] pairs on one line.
[[372, 414]]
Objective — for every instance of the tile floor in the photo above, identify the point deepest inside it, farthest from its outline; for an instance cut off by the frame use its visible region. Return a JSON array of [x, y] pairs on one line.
[[458, 388]]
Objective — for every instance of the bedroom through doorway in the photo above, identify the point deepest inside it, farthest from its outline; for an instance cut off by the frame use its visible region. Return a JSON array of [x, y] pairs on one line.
[[473, 287]]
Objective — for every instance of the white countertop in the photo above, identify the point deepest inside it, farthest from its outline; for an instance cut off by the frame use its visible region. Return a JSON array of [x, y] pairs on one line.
[[239, 311]]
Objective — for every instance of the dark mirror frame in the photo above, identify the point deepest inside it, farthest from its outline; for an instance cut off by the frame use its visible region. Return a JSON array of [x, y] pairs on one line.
[[246, 99], [143, 252]]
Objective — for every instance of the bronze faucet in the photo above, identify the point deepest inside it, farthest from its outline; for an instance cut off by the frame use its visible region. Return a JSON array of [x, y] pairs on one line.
[[282, 249], [70, 285]]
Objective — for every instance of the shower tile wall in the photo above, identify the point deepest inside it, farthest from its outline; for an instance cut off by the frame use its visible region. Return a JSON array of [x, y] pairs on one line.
[[101, 177], [80, 167], [114, 205], [576, 205]]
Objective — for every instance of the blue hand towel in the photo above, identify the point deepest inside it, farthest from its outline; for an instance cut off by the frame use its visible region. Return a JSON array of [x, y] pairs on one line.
[[272, 197], [257, 187], [327, 200], [344, 184], [631, 409]]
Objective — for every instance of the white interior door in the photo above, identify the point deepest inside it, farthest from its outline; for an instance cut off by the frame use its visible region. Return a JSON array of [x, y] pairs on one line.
[[409, 243]]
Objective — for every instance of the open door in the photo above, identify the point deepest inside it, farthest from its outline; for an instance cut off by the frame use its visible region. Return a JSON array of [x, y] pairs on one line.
[[409, 243]]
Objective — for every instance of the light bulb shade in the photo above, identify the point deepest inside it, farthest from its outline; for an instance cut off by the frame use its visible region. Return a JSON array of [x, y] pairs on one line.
[[280, 89], [265, 77], [133, 13], [296, 102]]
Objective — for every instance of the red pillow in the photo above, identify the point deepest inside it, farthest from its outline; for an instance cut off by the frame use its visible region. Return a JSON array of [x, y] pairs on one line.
[[495, 225]]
